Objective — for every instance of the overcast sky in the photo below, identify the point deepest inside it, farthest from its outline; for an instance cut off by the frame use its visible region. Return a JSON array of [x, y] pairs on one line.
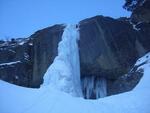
[[20, 18]]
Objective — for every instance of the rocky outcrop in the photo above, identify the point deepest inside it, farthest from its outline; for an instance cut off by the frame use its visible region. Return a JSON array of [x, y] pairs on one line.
[[16, 61], [109, 48], [103, 46], [140, 10], [45, 44], [24, 61], [125, 82]]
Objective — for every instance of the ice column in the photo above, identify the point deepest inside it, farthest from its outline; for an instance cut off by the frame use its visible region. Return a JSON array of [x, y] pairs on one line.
[[64, 72], [94, 87]]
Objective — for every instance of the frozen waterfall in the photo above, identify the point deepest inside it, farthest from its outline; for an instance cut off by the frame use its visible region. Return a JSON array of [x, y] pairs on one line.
[[94, 87], [64, 72]]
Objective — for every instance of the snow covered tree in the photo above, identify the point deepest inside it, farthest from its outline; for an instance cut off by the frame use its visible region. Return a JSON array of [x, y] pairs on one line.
[[130, 5]]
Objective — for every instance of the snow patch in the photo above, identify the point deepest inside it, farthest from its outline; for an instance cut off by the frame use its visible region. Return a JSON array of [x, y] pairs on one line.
[[10, 63], [145, 59], [26, 56], [135, 26], [31, 44]]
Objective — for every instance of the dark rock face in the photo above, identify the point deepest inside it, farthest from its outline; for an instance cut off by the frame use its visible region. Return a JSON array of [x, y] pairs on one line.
[[45, 43], [141, 14], [16, 62], [24, 61], [103, 44], [109, 48], [125, 83]]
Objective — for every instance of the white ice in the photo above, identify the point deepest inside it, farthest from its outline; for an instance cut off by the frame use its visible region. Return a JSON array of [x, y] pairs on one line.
[[101, 88], [64, 72], [93, 86]]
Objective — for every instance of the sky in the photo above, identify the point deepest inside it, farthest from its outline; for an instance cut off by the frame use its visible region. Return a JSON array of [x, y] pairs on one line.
[[21, 18]]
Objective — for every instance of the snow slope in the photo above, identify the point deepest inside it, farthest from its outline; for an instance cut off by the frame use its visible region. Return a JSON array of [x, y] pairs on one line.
[[15, 99]]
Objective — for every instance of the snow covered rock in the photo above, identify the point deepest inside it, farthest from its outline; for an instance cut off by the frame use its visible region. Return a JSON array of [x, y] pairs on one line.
[[140, 10], [35, 53], [14, 67]]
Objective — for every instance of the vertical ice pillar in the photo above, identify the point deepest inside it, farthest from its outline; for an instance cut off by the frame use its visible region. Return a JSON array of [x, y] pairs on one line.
[[94, 87], [64, 72], [101, 88]]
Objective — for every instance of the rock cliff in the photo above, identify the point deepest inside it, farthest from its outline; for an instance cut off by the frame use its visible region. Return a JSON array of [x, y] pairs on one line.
[[109, 48], [34, 54]]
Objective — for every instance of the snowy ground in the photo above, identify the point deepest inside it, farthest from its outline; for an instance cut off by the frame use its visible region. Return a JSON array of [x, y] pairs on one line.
[[15, 99]]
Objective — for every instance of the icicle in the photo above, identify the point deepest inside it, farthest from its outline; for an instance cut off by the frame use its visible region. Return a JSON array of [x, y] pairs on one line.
[[64, 72], [94, 87], [88, 86], [100, 88]]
